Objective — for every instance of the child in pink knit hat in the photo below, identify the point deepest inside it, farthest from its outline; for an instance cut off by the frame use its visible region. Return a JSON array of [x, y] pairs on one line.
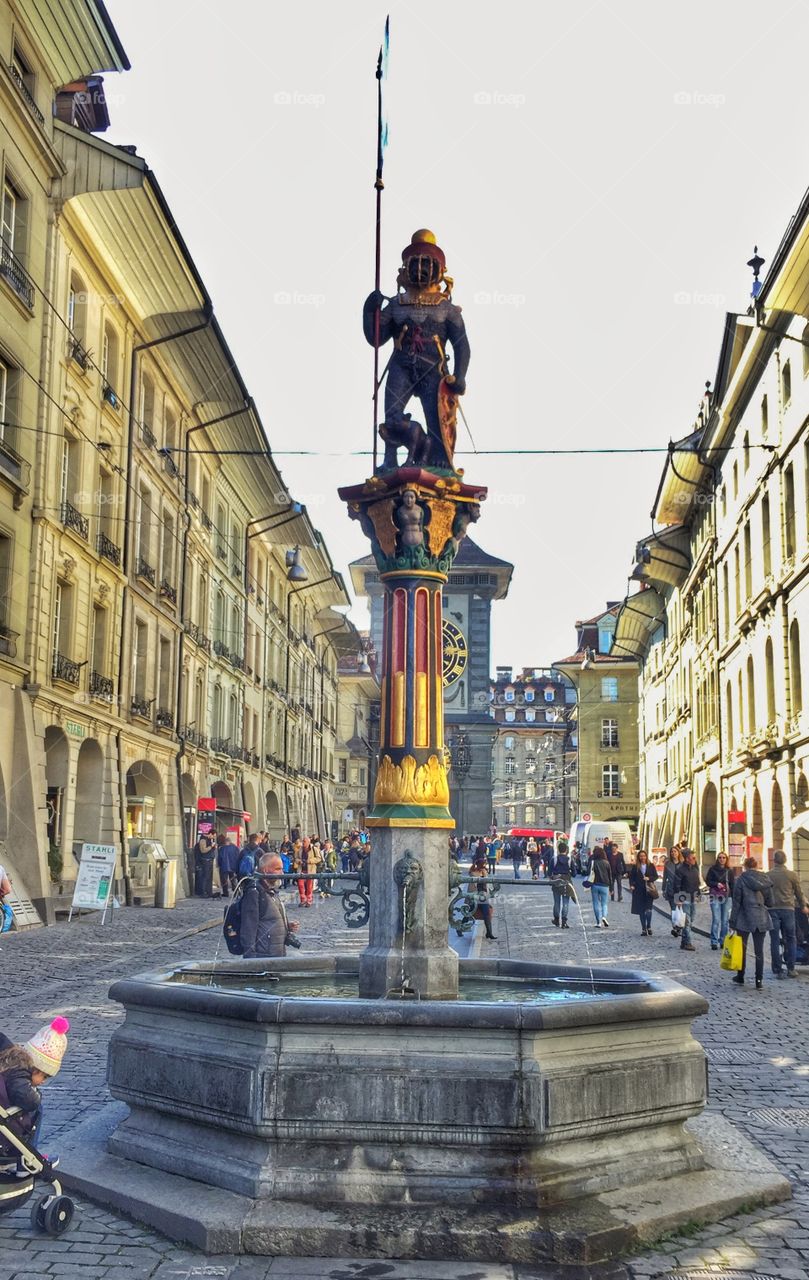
[[24, 1068]]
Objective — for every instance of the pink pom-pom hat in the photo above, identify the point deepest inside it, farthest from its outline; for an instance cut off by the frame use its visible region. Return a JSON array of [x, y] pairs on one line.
[[47, 1048]]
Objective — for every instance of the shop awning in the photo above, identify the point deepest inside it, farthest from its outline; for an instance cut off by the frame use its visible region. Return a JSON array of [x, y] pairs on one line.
[[685, 478], [639, 617], [664, 558]]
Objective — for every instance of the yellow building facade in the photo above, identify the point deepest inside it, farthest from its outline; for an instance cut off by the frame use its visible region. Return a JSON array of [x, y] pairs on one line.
[[166, 601]]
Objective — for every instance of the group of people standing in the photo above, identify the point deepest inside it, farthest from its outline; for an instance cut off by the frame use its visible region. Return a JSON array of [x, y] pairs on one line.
[[315, 861]]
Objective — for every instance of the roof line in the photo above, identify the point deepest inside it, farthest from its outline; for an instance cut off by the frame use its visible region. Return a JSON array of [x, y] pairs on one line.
[[115, 39]]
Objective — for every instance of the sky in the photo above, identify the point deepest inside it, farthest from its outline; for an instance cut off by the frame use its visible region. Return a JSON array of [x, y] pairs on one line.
[[597, 175]]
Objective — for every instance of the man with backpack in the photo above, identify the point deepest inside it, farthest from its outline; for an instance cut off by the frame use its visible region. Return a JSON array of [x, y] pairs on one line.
[[249, 855], [256, 922]]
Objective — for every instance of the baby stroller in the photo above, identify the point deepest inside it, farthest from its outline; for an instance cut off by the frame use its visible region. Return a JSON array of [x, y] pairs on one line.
[[52, 1212]]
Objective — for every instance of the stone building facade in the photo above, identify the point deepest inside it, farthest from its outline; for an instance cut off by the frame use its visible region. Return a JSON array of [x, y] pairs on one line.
[[165, 604], [734, 496], [605, 679], [534, 750]]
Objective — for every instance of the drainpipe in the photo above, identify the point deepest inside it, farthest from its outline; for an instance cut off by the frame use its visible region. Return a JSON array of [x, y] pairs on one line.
[[126, 558]]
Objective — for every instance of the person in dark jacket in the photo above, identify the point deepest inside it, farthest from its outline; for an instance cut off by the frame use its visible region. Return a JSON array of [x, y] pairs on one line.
[[204, 853], [618, 868], [24, 1068], [686, 893], [642, 874], [249, 855], [264, 924], [719, 878], [227, 860], [750, 916], [788, 900], [561, 874], [482, 892], [600, 885], [513, 852]]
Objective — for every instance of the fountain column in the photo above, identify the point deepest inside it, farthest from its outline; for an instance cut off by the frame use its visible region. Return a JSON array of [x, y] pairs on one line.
[[414, 519]]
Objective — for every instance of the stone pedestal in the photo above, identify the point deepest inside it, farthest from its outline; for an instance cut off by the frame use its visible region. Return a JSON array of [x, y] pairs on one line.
[[419, 958]]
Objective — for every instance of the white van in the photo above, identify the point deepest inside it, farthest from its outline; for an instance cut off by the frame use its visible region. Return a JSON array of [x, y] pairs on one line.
[[589, 834]]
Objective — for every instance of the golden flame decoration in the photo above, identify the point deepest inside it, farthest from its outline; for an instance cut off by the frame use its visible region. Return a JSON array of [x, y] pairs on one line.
[[411, 783]]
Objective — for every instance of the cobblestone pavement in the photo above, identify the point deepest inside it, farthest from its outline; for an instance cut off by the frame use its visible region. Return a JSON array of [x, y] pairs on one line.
[[757, 1044]]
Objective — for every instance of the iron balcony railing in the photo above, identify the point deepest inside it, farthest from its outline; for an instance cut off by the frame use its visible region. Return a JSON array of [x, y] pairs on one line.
[[73, 519], [236, 660], [164, 718], [8, 641], [168, 592], [108, 549], [79, 354], [64, 669], [220, 649], [26, 94], [221, 746], [145, 570], [100, 686], [140, 707], [12, 271], [110, 396], [169, 465], [147, 436], [207, 522]]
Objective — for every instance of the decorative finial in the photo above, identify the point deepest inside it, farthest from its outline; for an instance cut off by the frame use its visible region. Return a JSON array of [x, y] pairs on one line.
[[755, 264]]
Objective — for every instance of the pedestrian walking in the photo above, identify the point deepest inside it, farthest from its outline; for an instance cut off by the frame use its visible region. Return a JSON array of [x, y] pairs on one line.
[[642, 874], [787, 899], [561, 876], [750, 916], [534, 857], [618, 868], [513, 851], [249, 856], [686, 894], [667, 885], [483, 891], [494, 847], [306, 868], [227, 861], [719, 878], [601, 883], [203, 867]]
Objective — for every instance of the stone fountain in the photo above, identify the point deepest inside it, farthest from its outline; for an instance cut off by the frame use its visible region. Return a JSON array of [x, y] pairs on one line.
[[409, 1104]]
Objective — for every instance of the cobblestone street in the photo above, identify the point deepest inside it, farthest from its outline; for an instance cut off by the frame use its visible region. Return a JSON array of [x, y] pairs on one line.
[[756, 1044]]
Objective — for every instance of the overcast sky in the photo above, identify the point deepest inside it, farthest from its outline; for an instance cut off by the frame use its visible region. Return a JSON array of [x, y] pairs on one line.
[[597, 174]]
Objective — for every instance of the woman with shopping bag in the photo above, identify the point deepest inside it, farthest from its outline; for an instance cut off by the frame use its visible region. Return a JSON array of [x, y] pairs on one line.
[[749, 915], [732, 953]]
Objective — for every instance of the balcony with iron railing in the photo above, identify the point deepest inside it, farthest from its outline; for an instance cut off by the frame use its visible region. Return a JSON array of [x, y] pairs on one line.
[[606, 795], [207, 522], [100, 686], [141, 707], [73, 519], [221, 649], [146, 571], [147, 436], [65, 670], [164, 719], [25, 94], [221, 746], [107, 548], [79, 354], [221, 551], [12, 465], [15, 275], [168, 592], [236, 660], [169, 465], [110, 396]]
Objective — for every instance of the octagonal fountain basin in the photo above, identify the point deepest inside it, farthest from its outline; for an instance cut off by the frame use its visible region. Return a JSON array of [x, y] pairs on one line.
[[539, 1085]]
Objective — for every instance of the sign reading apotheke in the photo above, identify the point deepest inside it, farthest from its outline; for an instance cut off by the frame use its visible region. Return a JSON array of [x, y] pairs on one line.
[[95, 878]]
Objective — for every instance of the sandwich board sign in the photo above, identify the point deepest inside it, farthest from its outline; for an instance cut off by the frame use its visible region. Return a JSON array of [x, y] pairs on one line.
[[95, 879]]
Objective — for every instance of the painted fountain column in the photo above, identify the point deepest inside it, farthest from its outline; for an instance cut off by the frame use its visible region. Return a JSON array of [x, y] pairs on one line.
[[415, 516]]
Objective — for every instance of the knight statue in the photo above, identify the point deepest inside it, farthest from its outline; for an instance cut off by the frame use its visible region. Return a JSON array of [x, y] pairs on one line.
[[421, 320]]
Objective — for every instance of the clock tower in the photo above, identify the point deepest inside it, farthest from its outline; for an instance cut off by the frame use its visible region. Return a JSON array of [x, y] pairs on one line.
[[475, 580]]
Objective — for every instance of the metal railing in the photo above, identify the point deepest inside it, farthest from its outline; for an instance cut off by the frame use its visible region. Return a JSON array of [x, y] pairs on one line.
[[100, 686], [140, 707], [79, 353], [167, 591], [12, 270], [164, 718], [26, 94], [145, 570], [65, 669], [73, 519], [106, 548]]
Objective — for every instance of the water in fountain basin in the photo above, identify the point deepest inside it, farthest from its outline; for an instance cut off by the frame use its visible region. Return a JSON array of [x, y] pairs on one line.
[[479, 990]]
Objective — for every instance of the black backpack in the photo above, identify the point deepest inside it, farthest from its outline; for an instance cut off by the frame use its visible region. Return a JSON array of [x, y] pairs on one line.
[[232, 927]]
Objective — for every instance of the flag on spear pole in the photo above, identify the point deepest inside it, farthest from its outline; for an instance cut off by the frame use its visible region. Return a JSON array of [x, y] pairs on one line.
[[381, 145]]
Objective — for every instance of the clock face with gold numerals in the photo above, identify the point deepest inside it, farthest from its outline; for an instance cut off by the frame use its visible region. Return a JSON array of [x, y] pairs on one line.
[[456, 652]]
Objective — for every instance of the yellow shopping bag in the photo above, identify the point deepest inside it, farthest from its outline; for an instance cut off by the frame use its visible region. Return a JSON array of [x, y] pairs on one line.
[[732, 952]]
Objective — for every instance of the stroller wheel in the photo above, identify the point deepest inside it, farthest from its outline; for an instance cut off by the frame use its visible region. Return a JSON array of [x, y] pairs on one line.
[[53, 1215]]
